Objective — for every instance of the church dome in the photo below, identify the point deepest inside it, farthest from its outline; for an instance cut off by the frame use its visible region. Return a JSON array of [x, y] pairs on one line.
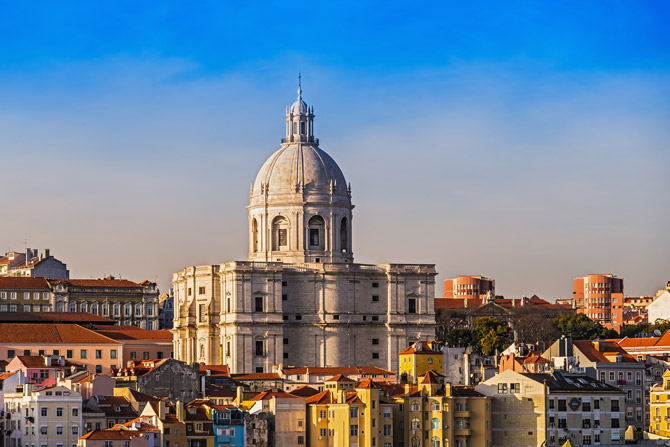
[[299, 165], [299, 107]]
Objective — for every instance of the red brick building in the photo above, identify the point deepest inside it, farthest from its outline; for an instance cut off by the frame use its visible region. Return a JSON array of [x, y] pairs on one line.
[[600, 297], [468, 287]]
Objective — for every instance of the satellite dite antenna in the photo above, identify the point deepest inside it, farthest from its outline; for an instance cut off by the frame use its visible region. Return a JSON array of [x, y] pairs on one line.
[[657, 333]]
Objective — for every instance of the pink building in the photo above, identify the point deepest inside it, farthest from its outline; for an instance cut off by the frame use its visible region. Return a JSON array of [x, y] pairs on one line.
[[42, 371], [140, 344], [75, 343]]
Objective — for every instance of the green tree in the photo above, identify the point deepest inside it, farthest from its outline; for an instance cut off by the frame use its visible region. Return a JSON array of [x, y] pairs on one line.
[[461, 338], [580, 327], [493, 334]]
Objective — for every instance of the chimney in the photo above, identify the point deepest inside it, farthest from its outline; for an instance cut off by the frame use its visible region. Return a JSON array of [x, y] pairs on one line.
[[161, 410], [179, 405], [47, 360], [28, 256], [47, 252]]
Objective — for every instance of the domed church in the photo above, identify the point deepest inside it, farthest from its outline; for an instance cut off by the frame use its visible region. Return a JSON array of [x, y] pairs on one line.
[[300, 300]]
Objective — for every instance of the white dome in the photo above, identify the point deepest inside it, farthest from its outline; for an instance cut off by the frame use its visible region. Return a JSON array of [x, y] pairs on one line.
[[299, 107], [296, 165]]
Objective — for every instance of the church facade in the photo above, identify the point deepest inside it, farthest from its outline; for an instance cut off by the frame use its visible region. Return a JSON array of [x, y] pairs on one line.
[[300, 299]]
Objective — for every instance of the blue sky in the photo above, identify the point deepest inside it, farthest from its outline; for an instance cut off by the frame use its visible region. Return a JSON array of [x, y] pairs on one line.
[[526, 141]]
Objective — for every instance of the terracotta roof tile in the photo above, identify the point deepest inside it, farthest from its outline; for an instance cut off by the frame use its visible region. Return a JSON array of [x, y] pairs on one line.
[[321, 398], [50, 333], [339, 378], [304, 391], [23, 283]]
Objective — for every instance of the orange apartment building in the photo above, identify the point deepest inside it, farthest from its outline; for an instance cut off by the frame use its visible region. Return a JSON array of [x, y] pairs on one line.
[[468, 287], [600, 297]]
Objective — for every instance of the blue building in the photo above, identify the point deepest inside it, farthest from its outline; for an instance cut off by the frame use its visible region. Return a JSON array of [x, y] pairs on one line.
[[228, 423]]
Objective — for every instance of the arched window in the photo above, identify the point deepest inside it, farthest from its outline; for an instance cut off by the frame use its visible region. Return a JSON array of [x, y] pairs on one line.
[[435, 423], [117, 309], [128, 310], [416, 442], [254, 235], [84, 307], [94, 308], [316, 232], [73, 307], [415, 406], [105, 309], [435, 442], [435, 406], [344, 235], [415, 424], [279, 233]]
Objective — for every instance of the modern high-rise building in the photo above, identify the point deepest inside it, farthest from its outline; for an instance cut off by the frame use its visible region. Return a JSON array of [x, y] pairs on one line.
[[468, 287], [600, 297], [300, 299]]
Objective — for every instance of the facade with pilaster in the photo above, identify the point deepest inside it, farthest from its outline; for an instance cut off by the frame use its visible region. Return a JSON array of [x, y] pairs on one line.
[[300, 299]]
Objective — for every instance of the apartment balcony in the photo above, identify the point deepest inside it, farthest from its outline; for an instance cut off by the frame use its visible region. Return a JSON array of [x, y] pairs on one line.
[[462, 432], [462, 414]]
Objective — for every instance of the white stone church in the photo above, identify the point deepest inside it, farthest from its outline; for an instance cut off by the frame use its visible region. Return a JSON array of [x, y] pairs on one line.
[[300, 299]]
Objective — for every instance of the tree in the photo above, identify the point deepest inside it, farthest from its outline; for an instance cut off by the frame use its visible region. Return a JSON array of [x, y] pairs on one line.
[[645, 328], [461, 337], [493, 334], [580, 327]]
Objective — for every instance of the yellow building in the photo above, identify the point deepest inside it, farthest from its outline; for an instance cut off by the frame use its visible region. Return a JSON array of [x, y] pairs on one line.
[[418, 359], [348, 415], [659, 407], [436, 414]]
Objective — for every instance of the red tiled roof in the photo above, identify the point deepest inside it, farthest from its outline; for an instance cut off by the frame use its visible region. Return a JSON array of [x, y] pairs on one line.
[[536, 359], [638, 342], [431, 377], [215, 370], [257, 376], [106, 282], [50, 334], [54, 317], [133, 333], [321, 398], [36, 361], [367, 384], [23, 283], [587, 347], [304, 391], [339, 378], [334, 370], [425, 349], [110, 434], [267, 395]]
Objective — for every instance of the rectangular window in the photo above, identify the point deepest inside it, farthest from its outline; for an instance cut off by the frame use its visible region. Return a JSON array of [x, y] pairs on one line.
[[411, 307], [375, 341], [375, 298], [75, 412], [502, 388], [375, 355], [561, 405], [112, 354], [284, 297], [259, 348], [133, 355], [375, 285], [83, 354], [98, 353], [201, 313], [314, 236], [145, 356], [98, 369], [259, 304], [59, 412], [283, 237], [59, 430], [11, 353], [201, 290], [44, 412]]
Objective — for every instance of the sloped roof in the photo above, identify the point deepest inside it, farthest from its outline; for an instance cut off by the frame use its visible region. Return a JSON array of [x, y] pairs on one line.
[[431, 377], [557, 382], [105, 282], [257, 376], [134, 333], [23, 283], [54, 317], [535, 359], [335, 370], [304, 391], [50, 334], [321, 398], [215, 370], [367, 384], [267, 395], [339, 378], [587, 347], [110, 435], [36, 361], [425, 348]]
